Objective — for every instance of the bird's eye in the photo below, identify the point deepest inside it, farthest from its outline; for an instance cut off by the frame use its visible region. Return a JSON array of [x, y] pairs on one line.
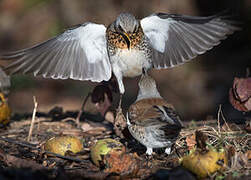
[[120, 28]]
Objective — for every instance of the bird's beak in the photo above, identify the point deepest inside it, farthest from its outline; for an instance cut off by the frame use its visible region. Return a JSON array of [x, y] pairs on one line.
[[127, 39]]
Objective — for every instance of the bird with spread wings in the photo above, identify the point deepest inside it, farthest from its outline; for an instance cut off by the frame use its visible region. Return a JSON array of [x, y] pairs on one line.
[[125, 48]]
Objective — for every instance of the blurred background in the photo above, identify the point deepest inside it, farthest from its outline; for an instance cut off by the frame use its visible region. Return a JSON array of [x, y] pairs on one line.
[[196, 89]]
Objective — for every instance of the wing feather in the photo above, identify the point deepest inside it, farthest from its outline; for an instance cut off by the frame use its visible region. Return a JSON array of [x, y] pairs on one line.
[[176, 39], [79, 53]]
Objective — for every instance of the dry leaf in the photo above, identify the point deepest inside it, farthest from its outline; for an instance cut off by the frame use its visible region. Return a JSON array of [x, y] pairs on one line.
[[240, 94], [119, 124], [239, 160], [190, 140], [109, 116], [242, 88], [230, 151], [248, 126], [92, 126], [248, 154], [125, 164], [201, 139]]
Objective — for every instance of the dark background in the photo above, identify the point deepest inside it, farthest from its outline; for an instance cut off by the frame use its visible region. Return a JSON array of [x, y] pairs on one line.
[[196, 89]]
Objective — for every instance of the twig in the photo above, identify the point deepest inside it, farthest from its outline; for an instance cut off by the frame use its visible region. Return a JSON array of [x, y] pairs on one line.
[[24, 144], [33, 118], [17, 162], [12, 132], [68, 119], [82, 109], [218, 118], [38, 125], [66, 157], [28, 122], [222, 115], [31, 146]]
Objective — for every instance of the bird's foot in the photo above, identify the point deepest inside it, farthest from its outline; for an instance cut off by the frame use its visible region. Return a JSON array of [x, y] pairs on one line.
[[149, 157], [149, 151]]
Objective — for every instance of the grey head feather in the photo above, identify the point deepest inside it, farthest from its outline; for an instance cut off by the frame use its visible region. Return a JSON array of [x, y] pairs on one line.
[[147, 88], [126, 22]]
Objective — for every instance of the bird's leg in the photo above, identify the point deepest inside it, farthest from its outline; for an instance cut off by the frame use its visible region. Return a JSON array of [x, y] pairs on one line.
[[120, 121], [119, 78]]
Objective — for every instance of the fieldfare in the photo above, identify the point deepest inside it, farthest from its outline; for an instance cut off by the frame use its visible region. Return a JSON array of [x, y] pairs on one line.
[[151, 120], [93, 52]]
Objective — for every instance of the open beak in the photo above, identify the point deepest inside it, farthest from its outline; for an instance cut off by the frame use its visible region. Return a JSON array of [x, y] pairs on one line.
[[127, 39]]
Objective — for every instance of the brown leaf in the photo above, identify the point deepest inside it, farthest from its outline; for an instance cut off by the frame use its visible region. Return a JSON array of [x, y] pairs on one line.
[[190, 140], [248, 126], [109, 116], [119, 124], [230, 151], [235, 103], [247, 104], [240, 93], [123, 164], [94, 126], [248, 154], [242, 88], [17, 162], [239, 160]]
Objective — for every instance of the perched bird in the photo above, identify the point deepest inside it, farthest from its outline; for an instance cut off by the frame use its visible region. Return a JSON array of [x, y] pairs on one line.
[[93, 52], [151, 120]]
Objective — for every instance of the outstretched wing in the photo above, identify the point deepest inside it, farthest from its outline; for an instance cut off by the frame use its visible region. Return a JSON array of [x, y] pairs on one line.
[[178, 38], [78, 53]]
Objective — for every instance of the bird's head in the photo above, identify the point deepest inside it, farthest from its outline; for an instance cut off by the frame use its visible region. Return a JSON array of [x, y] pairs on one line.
[[126, 24], [147, 87]]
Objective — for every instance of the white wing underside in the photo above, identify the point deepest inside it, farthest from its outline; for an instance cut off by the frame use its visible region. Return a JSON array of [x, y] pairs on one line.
[[79, 53], [177, 39]]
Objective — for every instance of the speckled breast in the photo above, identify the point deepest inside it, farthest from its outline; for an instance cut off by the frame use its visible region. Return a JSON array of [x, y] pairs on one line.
[[130, 60]]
